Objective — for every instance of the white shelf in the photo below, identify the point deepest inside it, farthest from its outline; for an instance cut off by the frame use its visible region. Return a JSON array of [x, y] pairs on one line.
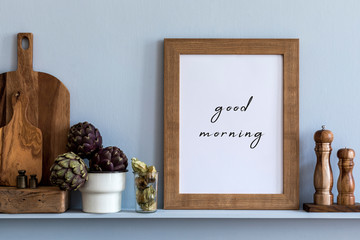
[[187, 214]]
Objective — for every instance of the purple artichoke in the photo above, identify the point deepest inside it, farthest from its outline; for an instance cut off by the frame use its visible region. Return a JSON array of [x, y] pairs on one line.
[[109, 159], [84, 140]]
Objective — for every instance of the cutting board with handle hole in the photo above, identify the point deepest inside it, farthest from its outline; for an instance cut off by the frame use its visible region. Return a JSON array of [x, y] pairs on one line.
[[20, 144], [49, 103]]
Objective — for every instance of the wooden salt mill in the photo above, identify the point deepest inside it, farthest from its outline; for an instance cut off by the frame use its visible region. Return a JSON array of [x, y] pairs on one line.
[[346, 184], [323, 177]]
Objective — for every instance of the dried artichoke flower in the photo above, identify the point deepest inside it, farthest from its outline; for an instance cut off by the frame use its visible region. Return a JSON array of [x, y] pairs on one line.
[[140, 197], [145, 196], [141, 183], [150, 206], [151, 169], [151, 177], [149, 193], [138, 166]]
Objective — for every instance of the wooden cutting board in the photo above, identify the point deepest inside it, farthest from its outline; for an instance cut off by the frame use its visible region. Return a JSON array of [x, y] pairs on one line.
[[20, 144], [49, 103]]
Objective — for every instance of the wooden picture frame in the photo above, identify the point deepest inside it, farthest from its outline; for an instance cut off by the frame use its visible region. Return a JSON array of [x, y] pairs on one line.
[[288, 49]]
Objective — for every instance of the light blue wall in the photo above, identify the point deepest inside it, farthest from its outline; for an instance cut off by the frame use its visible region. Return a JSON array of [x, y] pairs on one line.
[[110, 56]]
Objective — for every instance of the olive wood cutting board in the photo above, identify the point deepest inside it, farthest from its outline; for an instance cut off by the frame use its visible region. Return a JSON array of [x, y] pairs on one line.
[[20, 144], [49, 103]]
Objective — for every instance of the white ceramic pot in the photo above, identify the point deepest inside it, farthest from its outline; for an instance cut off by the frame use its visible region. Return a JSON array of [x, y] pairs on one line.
[[102, 192]]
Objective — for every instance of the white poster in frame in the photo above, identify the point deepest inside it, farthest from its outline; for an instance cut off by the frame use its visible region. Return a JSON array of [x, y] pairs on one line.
[[231, 124]]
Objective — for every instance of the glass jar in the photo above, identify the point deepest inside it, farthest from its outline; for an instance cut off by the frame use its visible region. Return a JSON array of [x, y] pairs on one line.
[[146, 189]]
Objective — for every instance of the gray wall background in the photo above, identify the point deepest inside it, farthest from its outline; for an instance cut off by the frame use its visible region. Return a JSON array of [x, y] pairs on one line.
[[110, 56]]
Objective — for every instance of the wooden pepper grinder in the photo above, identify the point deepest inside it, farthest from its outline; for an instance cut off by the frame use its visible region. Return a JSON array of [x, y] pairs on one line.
[[346, 184], [323, 177]]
